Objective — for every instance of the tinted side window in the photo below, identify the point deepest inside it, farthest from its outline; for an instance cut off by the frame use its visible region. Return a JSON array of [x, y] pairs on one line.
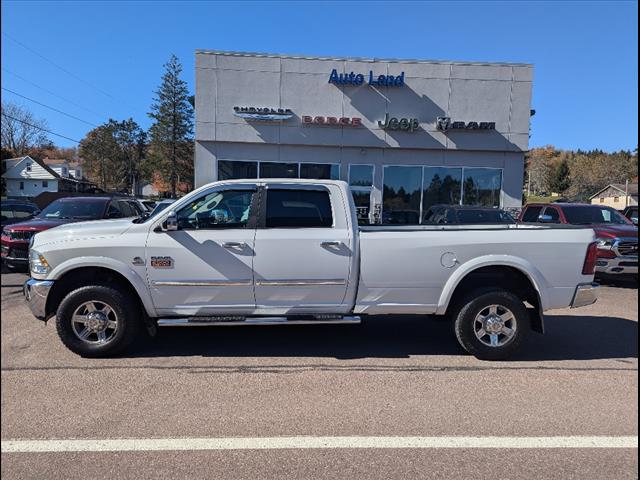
[[114, 211], [553, 213], [127, 209], [220, 209], [531, 214], [298, 208]]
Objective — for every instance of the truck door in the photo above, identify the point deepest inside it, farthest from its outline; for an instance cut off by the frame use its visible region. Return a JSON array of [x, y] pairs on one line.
[[304, 249], [206, 266]]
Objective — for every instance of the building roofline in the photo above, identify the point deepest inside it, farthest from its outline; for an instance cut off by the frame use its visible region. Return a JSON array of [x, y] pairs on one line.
[[617, 186], [355, 59]]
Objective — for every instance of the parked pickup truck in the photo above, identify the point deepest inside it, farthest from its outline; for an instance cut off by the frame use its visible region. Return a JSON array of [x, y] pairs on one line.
[[617, 237], [290, 251]]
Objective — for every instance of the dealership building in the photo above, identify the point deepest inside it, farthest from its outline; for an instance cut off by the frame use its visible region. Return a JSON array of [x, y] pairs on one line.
[[405, 134]]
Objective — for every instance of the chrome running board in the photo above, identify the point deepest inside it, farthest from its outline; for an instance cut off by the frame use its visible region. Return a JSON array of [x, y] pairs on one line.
[[235, 321]]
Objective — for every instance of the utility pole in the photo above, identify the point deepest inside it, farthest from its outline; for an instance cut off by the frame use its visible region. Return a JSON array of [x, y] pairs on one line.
[[626, 193]]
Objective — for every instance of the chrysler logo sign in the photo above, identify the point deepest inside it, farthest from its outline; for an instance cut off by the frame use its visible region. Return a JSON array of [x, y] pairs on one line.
[[263, 113], [445, 124]]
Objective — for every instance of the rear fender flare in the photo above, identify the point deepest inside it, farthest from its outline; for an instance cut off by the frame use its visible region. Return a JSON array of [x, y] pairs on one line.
[[528, 269]]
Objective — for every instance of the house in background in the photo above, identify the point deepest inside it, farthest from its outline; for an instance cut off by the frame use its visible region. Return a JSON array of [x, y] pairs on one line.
[[29, 177], [617, 195], [65, 168]]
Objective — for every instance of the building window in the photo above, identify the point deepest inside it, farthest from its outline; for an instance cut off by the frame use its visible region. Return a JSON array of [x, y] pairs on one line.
[[401, 195], [45, 184], [442, 185], [278, 170], [361, 183], [320, 171], [616, 199], [482, 187], [21, 185], [28, 167], [408, 191], [601, 200], [361, 175], [228, 170]]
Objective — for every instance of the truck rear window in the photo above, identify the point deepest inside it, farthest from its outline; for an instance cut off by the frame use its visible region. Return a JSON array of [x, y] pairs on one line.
[[288, 208]]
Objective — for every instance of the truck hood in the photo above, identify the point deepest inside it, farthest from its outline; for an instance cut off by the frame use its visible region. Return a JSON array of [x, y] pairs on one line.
[[81, 230], [36, 224], [619, 231]]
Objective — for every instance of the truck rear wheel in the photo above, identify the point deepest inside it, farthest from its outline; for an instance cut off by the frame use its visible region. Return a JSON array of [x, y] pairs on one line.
[[97, 321], [491, 323]]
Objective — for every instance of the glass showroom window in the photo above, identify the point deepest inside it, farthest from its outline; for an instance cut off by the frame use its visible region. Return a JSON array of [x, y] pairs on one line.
[[278, 170], [482, 186], [401, 195], [441, 186], [228, 170], [320, 171], [361, 183]]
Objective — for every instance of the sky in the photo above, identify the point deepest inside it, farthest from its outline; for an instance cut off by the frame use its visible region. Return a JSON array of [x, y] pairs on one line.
[[99, 60]]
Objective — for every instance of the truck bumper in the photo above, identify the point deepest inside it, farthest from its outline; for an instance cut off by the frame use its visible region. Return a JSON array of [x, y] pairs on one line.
[[617, 266], [36, 293], [586, 294]]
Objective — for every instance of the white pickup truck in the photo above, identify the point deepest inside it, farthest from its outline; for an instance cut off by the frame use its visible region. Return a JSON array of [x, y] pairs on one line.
[[290, 251]]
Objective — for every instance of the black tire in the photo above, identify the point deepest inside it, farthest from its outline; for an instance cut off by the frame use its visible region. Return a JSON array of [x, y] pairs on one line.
[[126, 310], [472, 305]]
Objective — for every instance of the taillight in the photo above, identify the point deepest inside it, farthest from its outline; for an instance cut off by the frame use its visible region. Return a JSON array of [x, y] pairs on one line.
[[590, 260]]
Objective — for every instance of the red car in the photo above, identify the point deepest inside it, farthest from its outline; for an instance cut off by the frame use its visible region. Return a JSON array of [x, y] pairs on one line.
[[15, 237], [617, 236]]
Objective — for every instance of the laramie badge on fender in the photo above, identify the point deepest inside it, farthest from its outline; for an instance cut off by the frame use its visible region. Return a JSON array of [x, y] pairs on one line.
[[162, 262]]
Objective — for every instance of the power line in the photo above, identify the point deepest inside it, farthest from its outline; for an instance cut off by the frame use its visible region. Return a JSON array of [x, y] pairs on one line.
[[39, 128], [51, 108], [58, 66], [51, 93]]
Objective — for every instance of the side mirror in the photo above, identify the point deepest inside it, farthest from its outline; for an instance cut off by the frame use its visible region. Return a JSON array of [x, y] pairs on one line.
[[170, 223], [634, 220], [545, 219]]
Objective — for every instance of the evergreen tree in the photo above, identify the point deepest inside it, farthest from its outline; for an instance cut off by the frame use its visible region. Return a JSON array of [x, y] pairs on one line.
[[171, 141], [560, 177]]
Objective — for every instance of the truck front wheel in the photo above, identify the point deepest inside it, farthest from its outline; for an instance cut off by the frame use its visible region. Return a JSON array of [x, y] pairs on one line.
[[97, 321], [491, 323]]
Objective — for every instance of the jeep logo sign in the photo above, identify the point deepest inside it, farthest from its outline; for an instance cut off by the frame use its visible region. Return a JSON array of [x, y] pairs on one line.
[[393, 123]]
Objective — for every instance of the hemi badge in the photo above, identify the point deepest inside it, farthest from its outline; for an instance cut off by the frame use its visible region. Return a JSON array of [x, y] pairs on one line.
[[138, 261]]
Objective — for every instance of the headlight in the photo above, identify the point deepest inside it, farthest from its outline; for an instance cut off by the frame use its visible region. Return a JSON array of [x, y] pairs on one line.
[[605, 243], [37, 263]]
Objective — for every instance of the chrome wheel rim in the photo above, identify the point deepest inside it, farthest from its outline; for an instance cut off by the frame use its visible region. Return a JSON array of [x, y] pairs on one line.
[[495, 326], [94, 322]]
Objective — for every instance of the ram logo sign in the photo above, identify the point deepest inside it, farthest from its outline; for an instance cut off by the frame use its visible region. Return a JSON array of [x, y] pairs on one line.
[[444, 124]]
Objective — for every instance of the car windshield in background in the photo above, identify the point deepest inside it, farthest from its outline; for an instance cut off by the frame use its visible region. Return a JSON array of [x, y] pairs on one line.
[[159, 208], [483, 216], [588, 215], [81, 210]]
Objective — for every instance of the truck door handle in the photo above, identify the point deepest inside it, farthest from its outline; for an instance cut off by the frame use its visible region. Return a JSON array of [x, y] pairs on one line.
[[332, 244], [234, 244]]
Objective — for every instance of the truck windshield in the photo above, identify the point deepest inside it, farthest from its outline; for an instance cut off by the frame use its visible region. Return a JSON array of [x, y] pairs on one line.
[[85, 210], [589, 215]]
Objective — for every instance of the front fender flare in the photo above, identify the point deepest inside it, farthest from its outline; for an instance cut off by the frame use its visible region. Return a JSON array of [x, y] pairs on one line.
[[134, 277]]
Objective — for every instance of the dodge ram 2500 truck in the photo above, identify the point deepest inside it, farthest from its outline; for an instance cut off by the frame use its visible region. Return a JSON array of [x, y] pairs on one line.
[[256, 252]]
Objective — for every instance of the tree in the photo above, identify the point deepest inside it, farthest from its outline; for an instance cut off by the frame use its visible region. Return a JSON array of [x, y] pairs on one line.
[[99, 151], [171, 141], [131, 141], [114, 155], [560, 177], [20, 131]]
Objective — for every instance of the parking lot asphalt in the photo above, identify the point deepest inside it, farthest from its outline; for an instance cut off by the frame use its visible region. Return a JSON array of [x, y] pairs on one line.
[[389, 377]]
